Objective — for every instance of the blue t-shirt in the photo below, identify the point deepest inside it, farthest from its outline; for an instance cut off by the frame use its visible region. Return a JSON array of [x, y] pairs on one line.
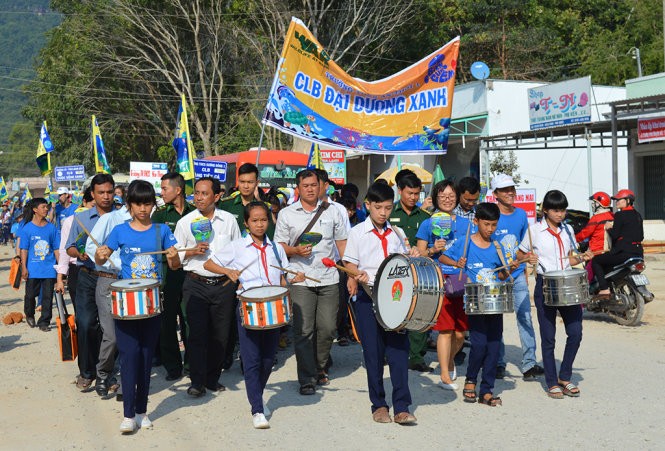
[[479, 262], [509, 233], [457, 232], [16, 229], [61, 213], [132, 242], [40, 242]]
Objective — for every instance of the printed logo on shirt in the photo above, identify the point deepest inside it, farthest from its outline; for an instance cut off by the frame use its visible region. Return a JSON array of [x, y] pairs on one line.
[[42, 249], [143, 267], [509, 243], [485, 275]]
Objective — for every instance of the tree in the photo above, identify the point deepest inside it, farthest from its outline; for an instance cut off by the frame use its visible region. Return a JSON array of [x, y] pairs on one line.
[[506, 163]]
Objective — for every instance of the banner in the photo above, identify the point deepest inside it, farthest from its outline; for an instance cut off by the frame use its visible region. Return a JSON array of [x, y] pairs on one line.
[[101, 163], [408, 112], [4, 195], [525, 199], [651, 129], [182, 143], [334, 162], [151, 172], [567, 102]]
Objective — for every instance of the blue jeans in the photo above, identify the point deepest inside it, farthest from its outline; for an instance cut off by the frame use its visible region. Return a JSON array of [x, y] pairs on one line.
[[524, 326], [485, 334]]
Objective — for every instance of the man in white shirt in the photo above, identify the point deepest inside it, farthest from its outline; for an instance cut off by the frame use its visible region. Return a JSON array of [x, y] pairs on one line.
[[314, 304], [209, 302]]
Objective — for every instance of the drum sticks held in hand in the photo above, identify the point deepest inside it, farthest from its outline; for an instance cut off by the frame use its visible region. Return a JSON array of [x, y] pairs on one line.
[[295, 273], [331, 264], [164, 251], [93, 239], [466, 246], [508, 266]]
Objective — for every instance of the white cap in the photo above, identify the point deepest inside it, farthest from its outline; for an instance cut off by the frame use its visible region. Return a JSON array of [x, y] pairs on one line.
[[63, 190], [501, 181]]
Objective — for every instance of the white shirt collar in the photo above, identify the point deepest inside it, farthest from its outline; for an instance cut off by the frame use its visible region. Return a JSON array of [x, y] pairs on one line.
[[368, 225], [248, 240]]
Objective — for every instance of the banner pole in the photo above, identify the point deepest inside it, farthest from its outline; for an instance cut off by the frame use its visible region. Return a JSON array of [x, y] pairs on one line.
[[258, 152]]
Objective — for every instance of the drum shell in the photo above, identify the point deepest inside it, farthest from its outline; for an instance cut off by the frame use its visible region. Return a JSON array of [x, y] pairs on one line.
[[425, 300], [265, 311], [488, 299], [135, 299], [564, 288]]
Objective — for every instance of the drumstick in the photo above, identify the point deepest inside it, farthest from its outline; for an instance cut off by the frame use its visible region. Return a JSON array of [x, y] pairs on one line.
[[535, 270], [593, 252], [466, 247], [166, 250], [295, 273], [331, 264], [95, 241], [519, 262], [240, 272]]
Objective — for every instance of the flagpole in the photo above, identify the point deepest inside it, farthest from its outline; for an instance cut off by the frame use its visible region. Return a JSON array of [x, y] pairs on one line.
[[258, 152]]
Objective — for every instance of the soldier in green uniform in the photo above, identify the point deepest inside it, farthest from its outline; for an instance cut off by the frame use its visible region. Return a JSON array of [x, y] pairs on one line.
[[408, 216], [173, 193], [248, 182]]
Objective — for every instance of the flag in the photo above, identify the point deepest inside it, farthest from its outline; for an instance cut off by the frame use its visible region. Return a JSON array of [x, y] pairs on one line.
[[26, 196], [4, 195], [45, 139], [182, 143], [43, 160], [101, 163], [437, 176], [314, 161]]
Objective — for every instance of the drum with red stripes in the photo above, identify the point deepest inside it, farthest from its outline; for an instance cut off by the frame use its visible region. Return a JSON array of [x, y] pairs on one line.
[[267, 307], [135, 299]]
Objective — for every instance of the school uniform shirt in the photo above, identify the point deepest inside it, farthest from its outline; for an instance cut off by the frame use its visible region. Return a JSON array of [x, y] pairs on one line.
[[293, 220], [365, 249], [224, 230], [510, 231], [243, 254], [40, 242], [131, 242], [101, 232], [550, 246], [480, 262], [457, 232]]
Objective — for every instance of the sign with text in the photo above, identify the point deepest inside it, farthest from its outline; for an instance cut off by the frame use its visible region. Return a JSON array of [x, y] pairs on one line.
[[210, 168], [651, 129], [524, 199], [70, 173], [150, 172], [567, 102], [334, 162]]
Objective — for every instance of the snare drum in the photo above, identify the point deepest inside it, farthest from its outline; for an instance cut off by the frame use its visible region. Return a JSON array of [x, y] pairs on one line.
[[135, 299], [408, 293], [267, 307], [488, 298], [567, 287]]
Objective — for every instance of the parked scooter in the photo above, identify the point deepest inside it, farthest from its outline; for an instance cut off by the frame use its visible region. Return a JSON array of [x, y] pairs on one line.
[[629, 293]]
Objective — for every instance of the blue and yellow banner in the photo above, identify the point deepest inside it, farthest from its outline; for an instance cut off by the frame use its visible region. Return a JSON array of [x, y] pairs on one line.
[[315, 161], [182, 143], [43, 160], [45, 139], [4, 195], [101, 163], [408, 112]]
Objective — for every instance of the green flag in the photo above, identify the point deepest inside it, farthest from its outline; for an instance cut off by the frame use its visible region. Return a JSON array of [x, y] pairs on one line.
[[437, 176]]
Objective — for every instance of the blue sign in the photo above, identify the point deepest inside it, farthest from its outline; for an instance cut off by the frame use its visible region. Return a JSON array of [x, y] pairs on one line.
[[210, 168], [69, 173]]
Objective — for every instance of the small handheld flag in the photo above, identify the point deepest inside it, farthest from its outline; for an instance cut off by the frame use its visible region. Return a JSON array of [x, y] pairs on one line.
[[101, 163]]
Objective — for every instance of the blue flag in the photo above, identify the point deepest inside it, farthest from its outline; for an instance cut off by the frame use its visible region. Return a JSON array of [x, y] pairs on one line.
[[45, 139]]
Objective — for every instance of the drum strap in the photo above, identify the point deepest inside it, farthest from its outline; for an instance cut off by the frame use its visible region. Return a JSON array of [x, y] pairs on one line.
[[158, 257], [499, 251]]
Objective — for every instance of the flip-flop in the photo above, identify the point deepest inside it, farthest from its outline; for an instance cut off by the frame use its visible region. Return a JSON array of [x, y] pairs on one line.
[[570, 389], [555, 393]]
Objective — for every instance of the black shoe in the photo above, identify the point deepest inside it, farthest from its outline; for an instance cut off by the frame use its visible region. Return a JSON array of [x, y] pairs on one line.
[[102, 388], [307, 389], [44, 328], [31, 321], [196, 392], [174, 376], [500, 372], [532, 373], [422, 367], [118, 397], [217, 387], [459, 358]]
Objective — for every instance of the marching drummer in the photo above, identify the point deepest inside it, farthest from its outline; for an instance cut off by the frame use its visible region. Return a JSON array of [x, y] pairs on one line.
[[252, 260], [369, 243], [136, 339], [485, 331], [553, 243]]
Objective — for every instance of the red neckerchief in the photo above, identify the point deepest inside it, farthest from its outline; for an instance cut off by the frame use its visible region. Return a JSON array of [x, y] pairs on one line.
[[559, 242], [264, 258], [629, 207], [384, 240]]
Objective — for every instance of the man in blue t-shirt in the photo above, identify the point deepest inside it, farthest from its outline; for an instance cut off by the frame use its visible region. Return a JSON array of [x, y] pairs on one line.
[[510, 231], [64, 208]]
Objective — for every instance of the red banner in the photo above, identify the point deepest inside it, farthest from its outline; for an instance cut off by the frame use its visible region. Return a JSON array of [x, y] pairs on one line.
[[652, 129]]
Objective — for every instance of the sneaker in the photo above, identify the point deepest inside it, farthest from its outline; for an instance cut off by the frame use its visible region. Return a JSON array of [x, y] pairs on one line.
[[143, 421], [260, 422], [453, 374], [128, 425], [500, 372]]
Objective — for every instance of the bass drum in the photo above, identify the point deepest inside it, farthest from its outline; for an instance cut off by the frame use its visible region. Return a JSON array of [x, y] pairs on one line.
[[408, 293]]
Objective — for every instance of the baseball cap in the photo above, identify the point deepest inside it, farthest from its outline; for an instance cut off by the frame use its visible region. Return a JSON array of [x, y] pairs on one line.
[[63, 190], [502, 181]]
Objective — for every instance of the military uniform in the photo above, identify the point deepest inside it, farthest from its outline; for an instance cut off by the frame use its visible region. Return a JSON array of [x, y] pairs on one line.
[[410, 223], [235, 206], [172, 307]]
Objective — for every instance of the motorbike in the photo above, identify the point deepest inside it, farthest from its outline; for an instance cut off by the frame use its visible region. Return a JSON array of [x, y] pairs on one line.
[[629, 293]]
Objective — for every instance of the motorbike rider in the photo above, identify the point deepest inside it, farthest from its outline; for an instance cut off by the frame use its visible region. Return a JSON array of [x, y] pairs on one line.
[[626, 233], [594, 230]]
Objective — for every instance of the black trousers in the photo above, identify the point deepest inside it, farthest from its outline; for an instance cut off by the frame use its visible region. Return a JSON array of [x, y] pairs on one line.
[[171, 309], [32, 289], [72, 280], [210, 317], [604, 262]]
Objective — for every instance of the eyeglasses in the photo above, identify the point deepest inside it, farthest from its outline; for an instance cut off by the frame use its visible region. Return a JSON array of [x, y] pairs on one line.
[[446, 196]]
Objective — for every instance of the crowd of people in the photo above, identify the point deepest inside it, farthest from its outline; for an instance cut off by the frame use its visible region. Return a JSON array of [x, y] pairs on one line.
[[206, 255]]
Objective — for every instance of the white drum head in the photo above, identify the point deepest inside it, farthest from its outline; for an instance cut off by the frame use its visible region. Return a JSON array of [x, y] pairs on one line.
[[393, 290], [134, 284], [268, 291]]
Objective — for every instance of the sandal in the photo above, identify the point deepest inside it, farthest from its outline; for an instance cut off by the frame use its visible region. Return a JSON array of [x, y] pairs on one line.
[[323, 379], [469, 393], [492, 401], [569, 389], [555, 393]]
